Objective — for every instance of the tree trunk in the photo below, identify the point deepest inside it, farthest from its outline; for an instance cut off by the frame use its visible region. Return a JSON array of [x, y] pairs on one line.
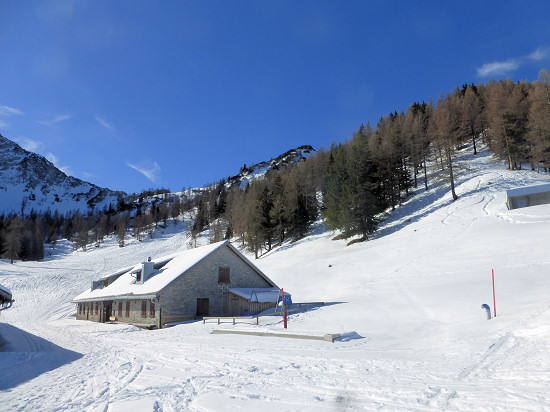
[[425, 174], [455, 197]]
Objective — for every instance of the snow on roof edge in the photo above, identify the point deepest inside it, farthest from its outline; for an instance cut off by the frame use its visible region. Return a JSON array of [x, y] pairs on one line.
[[526, 190], [125, 286]]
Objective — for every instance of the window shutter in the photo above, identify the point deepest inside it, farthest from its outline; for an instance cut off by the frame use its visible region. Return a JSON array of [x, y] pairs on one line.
[[223, 275]]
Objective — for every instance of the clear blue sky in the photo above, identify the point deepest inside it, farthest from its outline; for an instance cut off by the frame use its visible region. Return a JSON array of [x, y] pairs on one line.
[[143, 94]]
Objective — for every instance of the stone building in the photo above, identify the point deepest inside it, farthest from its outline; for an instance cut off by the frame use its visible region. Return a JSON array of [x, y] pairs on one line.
[[206, 281]]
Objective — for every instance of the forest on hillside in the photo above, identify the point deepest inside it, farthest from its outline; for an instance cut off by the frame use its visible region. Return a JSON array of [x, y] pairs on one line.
[[349, 184]]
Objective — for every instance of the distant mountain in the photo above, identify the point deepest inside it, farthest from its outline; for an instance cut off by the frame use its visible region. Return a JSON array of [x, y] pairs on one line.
[[29, 181], [248, 174]]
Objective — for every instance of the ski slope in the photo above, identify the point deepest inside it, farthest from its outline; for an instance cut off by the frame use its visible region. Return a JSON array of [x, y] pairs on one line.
[[407, 304]]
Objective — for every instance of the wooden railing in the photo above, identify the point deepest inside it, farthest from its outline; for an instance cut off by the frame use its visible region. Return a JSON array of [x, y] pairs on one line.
[[294, 308], [205, 318]]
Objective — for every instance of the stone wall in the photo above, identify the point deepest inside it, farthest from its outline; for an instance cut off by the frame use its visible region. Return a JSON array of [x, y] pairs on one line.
[[180, 297], [106, 309]]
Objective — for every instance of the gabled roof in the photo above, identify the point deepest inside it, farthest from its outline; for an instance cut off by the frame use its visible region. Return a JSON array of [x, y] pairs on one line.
[[122, 283]]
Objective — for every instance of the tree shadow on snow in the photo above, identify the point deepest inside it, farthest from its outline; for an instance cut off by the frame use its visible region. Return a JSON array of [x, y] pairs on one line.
[[24, 356]]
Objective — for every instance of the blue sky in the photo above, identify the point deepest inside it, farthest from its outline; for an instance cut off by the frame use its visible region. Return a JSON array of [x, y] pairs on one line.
[[139, 94]]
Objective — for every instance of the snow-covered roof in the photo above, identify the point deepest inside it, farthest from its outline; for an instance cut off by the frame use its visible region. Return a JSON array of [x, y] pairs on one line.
[[527, 190], [261, 295], [123, 282]]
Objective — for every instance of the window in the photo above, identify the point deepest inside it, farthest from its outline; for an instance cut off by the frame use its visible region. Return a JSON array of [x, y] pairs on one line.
[[143, 308], [138, 276], [106, 283], [223, 275], [128, 309], [151, 309], [119, 309], [96, 308], [80, 308]]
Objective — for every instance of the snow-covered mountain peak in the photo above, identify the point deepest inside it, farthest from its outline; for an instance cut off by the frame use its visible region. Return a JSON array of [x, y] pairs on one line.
[[29, 181]]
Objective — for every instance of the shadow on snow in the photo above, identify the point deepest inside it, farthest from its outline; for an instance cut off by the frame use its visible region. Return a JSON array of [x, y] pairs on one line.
[[24, 356]]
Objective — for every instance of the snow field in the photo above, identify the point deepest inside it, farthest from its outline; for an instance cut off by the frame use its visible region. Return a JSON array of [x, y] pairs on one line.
[[407, 304]]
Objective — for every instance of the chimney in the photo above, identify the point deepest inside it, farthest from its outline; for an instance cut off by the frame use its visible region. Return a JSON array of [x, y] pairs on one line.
[[147, 269]]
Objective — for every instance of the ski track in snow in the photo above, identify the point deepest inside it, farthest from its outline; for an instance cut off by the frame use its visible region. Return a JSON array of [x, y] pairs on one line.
[[408, 304]]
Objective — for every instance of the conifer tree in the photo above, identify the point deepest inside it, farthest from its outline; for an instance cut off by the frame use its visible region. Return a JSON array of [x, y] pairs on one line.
[[277, 213], [13, 239], [539, 122], [445, 129], [471, 120], [334, 196]]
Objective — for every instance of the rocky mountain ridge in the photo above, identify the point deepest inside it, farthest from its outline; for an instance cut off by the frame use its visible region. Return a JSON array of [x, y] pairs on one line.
[[30, 182]]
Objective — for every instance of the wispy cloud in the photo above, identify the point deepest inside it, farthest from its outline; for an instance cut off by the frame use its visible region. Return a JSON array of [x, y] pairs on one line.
[[9, 111], [56, 119], [150, 171], [55, 160], [506, 67], [29, 144], [104, 123], [539, 54], [88, 175], [497, 68]]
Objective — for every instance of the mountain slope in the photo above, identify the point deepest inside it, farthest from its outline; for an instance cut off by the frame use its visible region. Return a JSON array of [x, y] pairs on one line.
[[258, 171], [29, 181], [407, 304]]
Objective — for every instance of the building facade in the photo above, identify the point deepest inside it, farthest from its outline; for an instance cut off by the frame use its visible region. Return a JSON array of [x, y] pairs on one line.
[[188, 285]]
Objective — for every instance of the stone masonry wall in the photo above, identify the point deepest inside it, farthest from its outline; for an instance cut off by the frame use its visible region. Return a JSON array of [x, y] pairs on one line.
[[87, 312], [201, 281]]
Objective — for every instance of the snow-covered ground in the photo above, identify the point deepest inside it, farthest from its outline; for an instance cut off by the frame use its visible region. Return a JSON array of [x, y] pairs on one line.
[[407, 303]]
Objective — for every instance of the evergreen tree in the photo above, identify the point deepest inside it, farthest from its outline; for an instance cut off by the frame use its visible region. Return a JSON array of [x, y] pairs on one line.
[[539, 122], [277, 213], [364, 200], [13, 239], [335, 202]]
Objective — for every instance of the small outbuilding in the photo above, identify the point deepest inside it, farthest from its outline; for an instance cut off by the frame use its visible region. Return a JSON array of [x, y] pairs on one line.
[[250, 301], [528, 196], [198, 282]]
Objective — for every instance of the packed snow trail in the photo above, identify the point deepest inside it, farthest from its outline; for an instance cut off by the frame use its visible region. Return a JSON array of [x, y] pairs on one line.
[[407, 304]]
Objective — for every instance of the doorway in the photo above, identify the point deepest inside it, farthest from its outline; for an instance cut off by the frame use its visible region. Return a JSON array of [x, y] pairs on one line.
[[203, 307], [107, 310]]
